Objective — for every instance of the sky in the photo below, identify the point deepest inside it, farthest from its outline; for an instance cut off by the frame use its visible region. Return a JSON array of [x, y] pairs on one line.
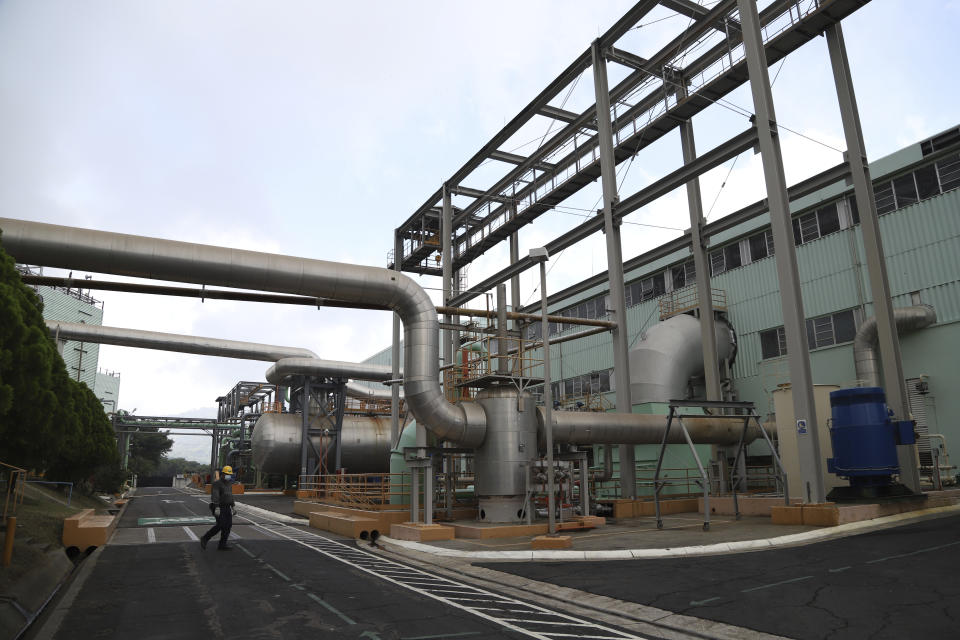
[[315, 128]]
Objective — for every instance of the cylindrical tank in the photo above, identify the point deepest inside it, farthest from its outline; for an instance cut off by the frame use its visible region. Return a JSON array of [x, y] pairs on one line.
[[511, 443], [365, 446], [864, 439]]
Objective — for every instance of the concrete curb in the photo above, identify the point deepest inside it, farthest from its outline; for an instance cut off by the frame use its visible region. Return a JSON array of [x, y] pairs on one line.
[[796, 539]]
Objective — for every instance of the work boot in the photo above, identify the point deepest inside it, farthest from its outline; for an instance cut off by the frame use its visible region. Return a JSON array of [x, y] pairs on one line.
[[203, 543]]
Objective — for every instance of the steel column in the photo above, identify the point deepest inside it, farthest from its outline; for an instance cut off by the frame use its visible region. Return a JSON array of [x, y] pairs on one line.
[[611, 227], [547, 396], [708, 336], [801, 378], [889, 342], [446, 260]]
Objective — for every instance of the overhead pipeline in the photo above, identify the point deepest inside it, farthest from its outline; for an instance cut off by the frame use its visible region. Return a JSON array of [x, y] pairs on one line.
[[171, 260]]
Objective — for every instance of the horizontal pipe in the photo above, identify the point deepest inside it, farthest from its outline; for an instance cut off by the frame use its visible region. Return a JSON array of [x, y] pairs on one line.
[[585, 427], [299, 366], [173, 342], [226, 349], [203, 294], [170, 260]]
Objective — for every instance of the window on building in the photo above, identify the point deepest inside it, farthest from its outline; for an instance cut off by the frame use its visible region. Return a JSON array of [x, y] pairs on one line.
[[927, 183], [854, 210], [761, 245], [883, 195], [828, 219], [773, 343], [645, 289], [822, 331], [725, 259], [949, 172], [683, 275], [905, 190]]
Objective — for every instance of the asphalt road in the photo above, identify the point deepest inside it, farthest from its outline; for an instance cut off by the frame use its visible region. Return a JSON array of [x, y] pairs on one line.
[[896, 583], [154, 581]]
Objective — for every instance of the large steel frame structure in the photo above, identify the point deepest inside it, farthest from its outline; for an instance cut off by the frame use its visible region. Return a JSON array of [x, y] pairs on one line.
[[727, 45]]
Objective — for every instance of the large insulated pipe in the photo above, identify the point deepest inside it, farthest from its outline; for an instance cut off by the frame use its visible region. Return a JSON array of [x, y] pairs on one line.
[[865, 357], [301, 366], [668, 355], [156, 258], [173, 342], [226, 349], [583, 427]]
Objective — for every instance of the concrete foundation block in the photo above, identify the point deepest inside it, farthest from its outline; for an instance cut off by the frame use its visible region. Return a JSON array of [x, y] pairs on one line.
[[551, 542]]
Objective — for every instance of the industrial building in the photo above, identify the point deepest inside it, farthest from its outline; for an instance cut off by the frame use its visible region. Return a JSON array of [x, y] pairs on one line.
[[710, 354], [74, 304]]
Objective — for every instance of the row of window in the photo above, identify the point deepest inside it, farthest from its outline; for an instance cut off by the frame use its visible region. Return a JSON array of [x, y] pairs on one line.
[[920, 184], [822, 331], [576, 386]]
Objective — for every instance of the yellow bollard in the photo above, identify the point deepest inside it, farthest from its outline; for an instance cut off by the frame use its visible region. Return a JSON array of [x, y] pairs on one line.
[[8, 543]]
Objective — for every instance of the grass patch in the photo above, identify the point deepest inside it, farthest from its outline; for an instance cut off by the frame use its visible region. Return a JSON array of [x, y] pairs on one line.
[[40, 527]]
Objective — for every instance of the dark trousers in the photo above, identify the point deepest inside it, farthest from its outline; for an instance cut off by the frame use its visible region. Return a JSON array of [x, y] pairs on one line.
[[224, 522]]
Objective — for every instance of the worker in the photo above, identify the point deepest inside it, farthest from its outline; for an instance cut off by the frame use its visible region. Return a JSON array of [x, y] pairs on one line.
[[222, 507]]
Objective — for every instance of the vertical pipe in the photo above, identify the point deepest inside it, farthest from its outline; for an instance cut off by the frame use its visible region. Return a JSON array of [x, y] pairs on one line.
[[547, 396], [801, 378], [304, 427], [515, 280], [503, 360], [395, 354], [611, 228], [856, 156]]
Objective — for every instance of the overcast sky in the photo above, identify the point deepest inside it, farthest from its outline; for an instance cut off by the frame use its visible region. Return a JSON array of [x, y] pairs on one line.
[[315, 128]]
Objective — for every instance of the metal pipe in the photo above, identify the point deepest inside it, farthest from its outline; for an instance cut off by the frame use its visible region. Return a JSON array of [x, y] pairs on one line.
[[301, 366], [137, 256], [865, 357], [203, 294], [223, 348], [503, 362], [583, 427]]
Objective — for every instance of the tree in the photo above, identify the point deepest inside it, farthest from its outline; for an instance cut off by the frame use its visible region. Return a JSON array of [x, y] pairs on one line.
[[147, 448], [48, 422]]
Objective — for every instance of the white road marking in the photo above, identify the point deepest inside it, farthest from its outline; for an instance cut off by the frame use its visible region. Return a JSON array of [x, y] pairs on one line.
[[191, 534], [775, 584], [331, 608], [151, 535]]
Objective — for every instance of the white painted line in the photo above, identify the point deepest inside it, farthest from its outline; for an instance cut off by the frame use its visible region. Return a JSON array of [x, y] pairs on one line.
[[331, 608], [698, 603], [191, 534], [276, 571], [151, 535], [775, 584], [913, 553], [838, 569], [244, 549]]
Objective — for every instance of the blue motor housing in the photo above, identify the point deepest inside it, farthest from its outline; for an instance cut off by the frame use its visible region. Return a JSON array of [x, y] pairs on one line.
[[864, 437]]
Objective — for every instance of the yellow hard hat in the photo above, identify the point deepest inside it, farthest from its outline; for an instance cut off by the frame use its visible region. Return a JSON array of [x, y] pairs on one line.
[[228, 470]]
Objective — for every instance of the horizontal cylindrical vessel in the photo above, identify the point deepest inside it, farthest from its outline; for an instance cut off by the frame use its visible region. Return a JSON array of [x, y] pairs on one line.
[[581, 427], [365, 445]]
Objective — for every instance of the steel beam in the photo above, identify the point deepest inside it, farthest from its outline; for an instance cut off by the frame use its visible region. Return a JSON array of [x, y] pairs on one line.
[[611, 227], [801, 378], [889, 342], [708, 335]]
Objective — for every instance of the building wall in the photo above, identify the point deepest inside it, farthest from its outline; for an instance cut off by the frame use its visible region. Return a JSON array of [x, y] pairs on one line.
[[922, 250], [107, 390], [80, 357]]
